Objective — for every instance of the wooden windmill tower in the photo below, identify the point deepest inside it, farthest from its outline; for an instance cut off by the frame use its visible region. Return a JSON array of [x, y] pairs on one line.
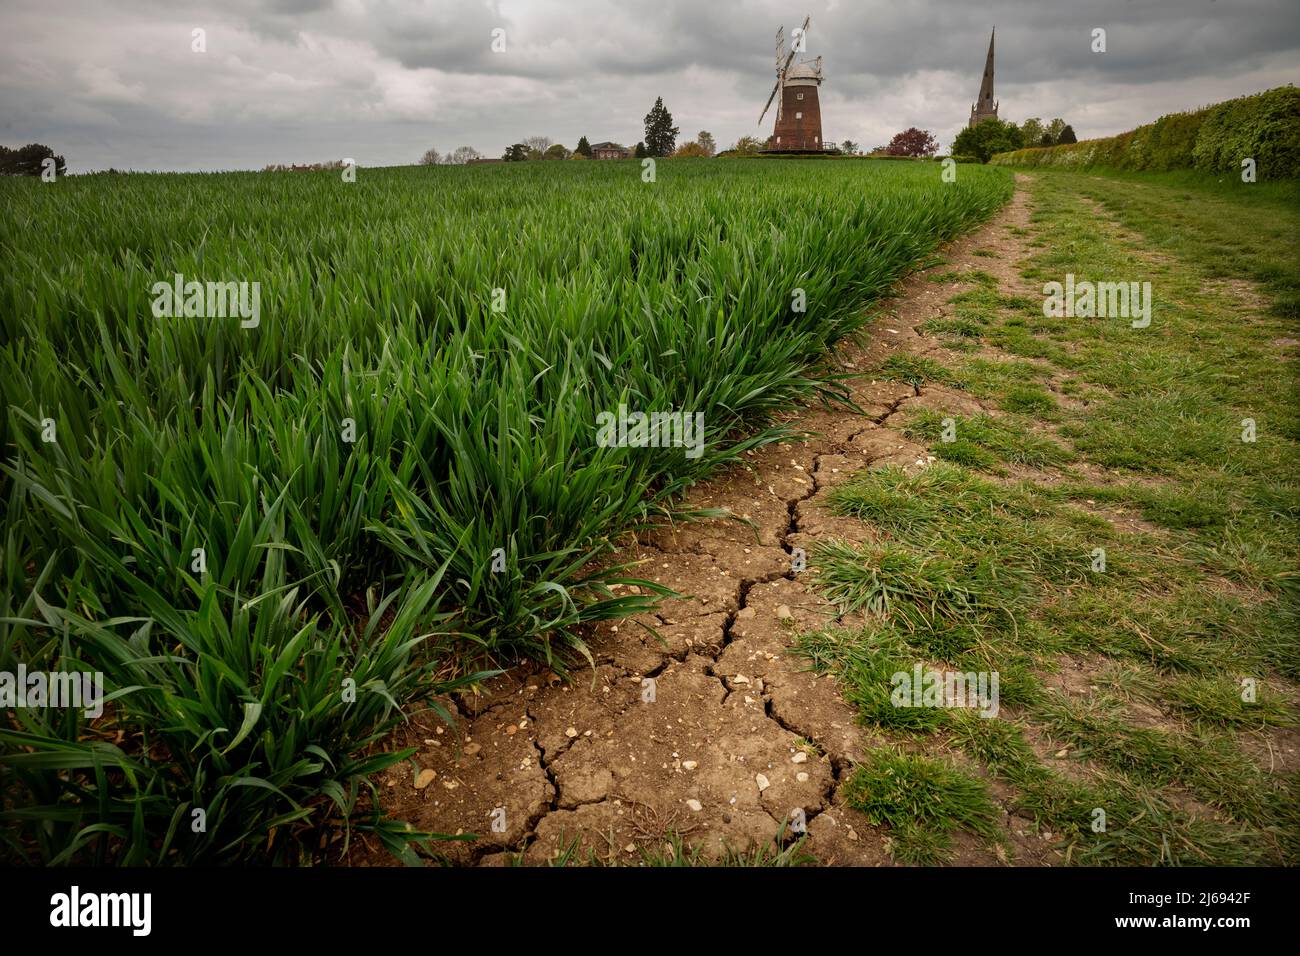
[[798, 112]]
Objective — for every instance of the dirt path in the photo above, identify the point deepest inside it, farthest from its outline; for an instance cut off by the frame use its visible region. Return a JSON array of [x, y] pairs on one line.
[[738, 737]]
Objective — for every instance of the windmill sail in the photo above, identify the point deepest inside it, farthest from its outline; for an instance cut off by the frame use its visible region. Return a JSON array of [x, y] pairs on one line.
[[784, 65]]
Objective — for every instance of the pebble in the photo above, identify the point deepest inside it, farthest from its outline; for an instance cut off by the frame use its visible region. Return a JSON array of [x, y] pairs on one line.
[[801, 777], [689, 764], [762, 782], [745, 613], [799, 757], [424, 778], [695, 805], [472, 749], [740, 679], [783, 612], [571, 732]]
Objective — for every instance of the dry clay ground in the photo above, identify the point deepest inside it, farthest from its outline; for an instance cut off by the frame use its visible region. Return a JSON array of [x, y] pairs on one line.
[[739, 736]]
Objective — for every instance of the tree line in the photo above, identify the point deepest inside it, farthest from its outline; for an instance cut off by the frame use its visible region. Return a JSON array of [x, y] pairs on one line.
[[978, 142], [29, 160]]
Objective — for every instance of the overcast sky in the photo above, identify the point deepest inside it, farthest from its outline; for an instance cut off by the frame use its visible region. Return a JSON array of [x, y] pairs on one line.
[[117, 83]]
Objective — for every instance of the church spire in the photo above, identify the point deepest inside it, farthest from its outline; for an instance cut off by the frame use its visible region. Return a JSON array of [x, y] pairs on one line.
[[986, 107]]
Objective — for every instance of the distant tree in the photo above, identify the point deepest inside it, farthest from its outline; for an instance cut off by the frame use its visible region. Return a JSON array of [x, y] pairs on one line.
[[913, 142], [1046, 140], [849, 148], [462, 155], [584, 148], [431, 157], [540, 144], [989, 137], [516, 153], [706, 140], [555, 151], [692, 149], [1054, 129], [660, 133], [1067, 135], [640, 152], [577, 155], [1032, 130], [747, 146], [29, 160]]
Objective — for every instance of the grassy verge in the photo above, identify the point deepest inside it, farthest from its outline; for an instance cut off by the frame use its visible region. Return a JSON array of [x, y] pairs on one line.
[[1147, 664]]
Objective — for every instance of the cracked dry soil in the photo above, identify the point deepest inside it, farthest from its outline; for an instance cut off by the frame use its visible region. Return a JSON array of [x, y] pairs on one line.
[[721, 753]]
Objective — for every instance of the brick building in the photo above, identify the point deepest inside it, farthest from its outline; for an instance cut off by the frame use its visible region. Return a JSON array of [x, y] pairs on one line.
[[609, 151]]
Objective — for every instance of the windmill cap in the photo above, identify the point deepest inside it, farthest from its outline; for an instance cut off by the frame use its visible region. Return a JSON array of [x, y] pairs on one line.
[[803, 71]]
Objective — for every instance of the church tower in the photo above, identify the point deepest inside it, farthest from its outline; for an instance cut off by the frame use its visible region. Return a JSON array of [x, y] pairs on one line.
[[986, 107]]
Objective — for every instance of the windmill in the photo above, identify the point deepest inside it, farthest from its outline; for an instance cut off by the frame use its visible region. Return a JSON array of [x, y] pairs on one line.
[[798, 111]]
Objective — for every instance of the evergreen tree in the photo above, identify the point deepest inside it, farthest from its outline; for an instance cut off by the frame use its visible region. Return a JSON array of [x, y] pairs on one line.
[[660, 133], [584, 147]]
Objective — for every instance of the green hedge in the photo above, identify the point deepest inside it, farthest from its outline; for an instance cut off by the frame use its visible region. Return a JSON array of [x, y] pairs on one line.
[[1265, 126]]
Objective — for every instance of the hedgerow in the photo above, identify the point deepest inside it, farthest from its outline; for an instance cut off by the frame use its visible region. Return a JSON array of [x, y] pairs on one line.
[[1264, 127]]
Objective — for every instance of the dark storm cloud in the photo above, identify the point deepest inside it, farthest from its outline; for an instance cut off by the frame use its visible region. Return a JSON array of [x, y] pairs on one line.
[[116, 83]]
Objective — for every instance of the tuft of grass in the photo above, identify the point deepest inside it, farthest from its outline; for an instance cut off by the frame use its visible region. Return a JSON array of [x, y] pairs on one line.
[[865, 663], [1029, 399], [983, 441], [977, 276], [960, 327], [916, 371], [1218, 702], [908, 793]]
